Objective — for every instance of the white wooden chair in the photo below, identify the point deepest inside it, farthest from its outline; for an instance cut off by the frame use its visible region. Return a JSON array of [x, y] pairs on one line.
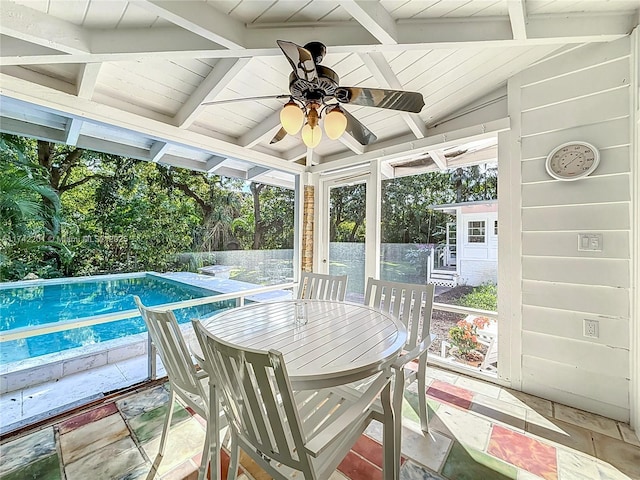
[[282, 430], [319, 286], [412, 304], [185, 381]]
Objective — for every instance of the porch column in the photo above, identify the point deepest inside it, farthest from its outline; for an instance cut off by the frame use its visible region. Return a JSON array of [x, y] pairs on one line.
[[307, 229]]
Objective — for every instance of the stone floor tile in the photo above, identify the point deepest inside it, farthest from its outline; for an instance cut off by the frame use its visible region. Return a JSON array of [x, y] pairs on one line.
[[184, 441], [87, 417], [462, 426], [429, 450], [186, 470], [478, 386], [466, 463], [134, 369], [529, 402], [524, 452], [575, 466], [562, 433], [609, 472], [356, 467], [621, 455], [524, 475], [503, 412], [91, 437], [442, 375], [142, 402], [117, 460], [411, 471], [628, 435], [77, 387], [451, 394], [27, 449], [148, 425], [588, 420], [46, 468]]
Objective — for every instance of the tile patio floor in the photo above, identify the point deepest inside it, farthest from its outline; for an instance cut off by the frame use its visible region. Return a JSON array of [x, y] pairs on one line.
[[479, 431]]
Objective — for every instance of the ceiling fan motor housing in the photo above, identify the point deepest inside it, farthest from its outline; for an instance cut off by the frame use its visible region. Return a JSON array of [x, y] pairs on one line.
[[305, 91]]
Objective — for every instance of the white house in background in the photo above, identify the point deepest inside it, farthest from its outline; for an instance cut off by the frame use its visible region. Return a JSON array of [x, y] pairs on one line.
[[470, 253]]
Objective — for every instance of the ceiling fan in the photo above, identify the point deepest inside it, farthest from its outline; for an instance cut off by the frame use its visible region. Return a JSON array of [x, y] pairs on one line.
[[315, 91]]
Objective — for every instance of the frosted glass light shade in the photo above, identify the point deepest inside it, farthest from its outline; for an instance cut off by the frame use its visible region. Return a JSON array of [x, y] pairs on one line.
[[311, 136], [291, 118], [335, 123]]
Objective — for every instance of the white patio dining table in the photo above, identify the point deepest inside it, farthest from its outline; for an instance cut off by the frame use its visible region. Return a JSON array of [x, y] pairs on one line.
[[324, 343]]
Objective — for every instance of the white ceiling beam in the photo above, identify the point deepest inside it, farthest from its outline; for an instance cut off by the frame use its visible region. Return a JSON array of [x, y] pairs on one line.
[[296, 153], [253, 172], [38, 78], [37, 27], [69, 104], [214, 163], [105, 146], [408, 147], [74, 126], [87, 79], [157, 151], [351, 143], [413, 36], [265, 130], [437, 155], [201, 19], [183, 162], [222, 73], [374, 17], [518, 18], [381, 71], [26, 129]]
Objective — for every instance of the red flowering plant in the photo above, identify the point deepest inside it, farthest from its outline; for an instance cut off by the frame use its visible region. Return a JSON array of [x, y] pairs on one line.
[[464, 337]]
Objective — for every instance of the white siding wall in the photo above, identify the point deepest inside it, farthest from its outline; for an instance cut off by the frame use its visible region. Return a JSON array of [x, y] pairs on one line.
[[582, 94], [478, 261]]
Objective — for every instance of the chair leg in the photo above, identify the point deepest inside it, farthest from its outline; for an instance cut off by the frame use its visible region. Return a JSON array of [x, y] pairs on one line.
[[206, 457], [392, 430], [234, 463], [167, 422], [422, 395]]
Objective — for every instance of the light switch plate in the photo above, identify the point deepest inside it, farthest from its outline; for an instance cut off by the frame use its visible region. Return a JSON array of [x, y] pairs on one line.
[[589, 242]]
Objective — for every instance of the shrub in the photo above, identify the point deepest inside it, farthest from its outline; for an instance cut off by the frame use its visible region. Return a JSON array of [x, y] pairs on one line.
[[484, 297]]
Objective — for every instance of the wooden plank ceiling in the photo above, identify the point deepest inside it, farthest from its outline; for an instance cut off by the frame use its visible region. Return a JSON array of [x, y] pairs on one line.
[[131, 77]]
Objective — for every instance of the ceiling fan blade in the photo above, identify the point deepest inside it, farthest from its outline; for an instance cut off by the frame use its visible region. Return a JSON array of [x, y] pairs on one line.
[[381, 98], [358, 131], [301, 60], [233, 100], [278, 136]]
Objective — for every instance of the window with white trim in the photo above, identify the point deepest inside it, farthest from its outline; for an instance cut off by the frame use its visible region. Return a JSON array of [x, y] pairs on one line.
[[476, 231]]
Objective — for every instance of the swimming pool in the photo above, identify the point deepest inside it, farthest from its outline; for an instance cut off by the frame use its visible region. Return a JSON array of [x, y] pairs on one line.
[[51, 301]]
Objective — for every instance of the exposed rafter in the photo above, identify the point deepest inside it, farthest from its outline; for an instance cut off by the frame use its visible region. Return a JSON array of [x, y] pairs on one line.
[[380, 69], [438, 158], [373, 16], [518, 18], [199, 19], [87, 79], [74, 126], [263, 132], [157, 151], [222, 73]]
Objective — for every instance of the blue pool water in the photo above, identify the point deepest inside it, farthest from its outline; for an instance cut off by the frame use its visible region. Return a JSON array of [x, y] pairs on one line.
[[47, 303]]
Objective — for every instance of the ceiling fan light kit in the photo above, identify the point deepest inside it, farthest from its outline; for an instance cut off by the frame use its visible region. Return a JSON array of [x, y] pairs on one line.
[[292, 117], [315, 92]]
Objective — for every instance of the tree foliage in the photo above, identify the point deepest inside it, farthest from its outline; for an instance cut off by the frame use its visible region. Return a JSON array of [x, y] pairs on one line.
[[67, 211]]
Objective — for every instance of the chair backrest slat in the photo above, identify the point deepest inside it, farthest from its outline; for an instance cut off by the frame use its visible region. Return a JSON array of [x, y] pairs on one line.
[[318, 286], [410, 303], [257, 398], [168, 340]]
